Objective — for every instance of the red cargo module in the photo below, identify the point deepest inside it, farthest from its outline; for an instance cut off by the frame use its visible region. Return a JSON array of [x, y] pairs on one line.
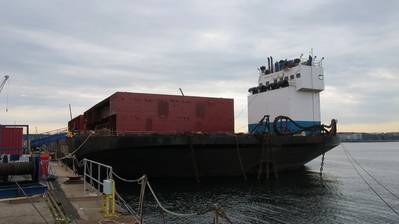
[[11, 140], [125, 112]]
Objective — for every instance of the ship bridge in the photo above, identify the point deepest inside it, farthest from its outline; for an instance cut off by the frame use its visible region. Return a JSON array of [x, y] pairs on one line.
[[290, 88]]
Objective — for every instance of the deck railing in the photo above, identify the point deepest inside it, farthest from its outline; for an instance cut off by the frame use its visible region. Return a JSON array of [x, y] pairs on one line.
[[94, 173]]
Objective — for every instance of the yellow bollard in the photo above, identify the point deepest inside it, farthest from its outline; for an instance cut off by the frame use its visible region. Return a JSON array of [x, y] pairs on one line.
[[109, 199], [113, 197], [107, 206], [103, 202]]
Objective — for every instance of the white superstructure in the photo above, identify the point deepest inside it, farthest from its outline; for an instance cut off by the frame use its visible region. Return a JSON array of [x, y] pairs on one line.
[[290, 88]]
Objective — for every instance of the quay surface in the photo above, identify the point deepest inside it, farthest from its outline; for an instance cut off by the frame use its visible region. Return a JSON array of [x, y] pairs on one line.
[[21, 211], [66, 202]]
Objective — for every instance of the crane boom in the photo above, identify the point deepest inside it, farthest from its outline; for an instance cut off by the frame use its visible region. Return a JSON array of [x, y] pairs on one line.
[[3, 82]]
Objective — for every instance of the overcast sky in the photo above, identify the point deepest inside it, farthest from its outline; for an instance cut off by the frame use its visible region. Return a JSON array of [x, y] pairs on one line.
[[79, 52]]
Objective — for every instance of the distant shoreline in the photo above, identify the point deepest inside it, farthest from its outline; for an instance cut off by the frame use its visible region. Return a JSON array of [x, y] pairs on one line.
[[369, 137], [369, 141]]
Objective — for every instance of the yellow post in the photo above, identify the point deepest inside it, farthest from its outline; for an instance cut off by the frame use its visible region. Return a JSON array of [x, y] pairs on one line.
[[107, 205], [113, 197], [108, 202], [102, 203]]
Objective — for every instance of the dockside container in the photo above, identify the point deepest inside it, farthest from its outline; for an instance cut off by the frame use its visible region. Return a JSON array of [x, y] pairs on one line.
[[125, 112], [11, 140]]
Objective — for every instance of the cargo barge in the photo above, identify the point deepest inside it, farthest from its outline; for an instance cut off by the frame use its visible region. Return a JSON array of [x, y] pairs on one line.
[[185, 136]]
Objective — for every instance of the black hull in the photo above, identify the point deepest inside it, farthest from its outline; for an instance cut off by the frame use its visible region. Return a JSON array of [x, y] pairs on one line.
[[194, 156]]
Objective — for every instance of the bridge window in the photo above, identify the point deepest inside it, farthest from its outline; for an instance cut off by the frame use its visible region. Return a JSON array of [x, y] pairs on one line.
[[267, 83], [298, 75], [291, 77]]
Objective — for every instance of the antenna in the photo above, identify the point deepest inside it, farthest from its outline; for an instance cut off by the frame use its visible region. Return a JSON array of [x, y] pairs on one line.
[[181, 91], [6, 77], [7, 103], [70, 111]]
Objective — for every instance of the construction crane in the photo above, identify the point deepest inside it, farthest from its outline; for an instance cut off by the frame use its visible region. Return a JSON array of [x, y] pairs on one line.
[[4, 82]]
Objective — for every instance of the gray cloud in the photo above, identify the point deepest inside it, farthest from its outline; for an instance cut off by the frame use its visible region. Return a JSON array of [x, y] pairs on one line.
[[60, 52]]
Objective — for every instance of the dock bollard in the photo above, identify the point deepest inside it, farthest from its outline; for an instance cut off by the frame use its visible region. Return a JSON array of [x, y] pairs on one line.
[[108, 198]]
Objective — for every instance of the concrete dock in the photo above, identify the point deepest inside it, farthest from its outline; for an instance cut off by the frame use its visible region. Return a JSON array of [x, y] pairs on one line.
[[21, 211], [66, 202]]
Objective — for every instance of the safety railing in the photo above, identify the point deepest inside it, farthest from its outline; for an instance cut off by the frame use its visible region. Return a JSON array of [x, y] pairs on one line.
[[95, 172], [92, 174]]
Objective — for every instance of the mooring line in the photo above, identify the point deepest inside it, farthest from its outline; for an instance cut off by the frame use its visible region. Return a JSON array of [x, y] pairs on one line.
[[145, 183], [78, 148], [368, 184], [128, 180], [166, 210], [368, 173], [240, 159]]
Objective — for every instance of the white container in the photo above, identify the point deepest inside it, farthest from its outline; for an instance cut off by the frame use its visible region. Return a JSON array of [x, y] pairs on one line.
[[107, 186], [24, 158]]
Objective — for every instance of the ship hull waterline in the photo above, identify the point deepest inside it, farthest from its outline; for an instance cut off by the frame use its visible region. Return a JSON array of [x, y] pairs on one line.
[[196, 156]]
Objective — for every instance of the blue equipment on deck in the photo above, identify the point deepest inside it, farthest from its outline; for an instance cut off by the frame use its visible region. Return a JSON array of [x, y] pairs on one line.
[[48, 139], [25, 188], [11, 190]]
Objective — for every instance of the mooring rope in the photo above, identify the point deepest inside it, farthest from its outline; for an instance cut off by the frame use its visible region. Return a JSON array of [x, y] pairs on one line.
[[77, 149], [194, 160], [143, 180], [145, 183], [368, 173], [322, 164], [164, 209], [79, 163], [367, 183], [124, 203], [128, 180], [239, 158]]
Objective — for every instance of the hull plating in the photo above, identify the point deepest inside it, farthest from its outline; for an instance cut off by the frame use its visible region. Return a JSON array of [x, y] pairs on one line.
[[202, 155]]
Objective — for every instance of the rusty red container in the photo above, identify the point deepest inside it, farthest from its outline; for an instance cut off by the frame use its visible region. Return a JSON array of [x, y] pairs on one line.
[[125, 112], [11, 140]]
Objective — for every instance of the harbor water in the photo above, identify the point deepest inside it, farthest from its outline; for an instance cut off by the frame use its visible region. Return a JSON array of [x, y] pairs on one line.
[[340, 196]]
